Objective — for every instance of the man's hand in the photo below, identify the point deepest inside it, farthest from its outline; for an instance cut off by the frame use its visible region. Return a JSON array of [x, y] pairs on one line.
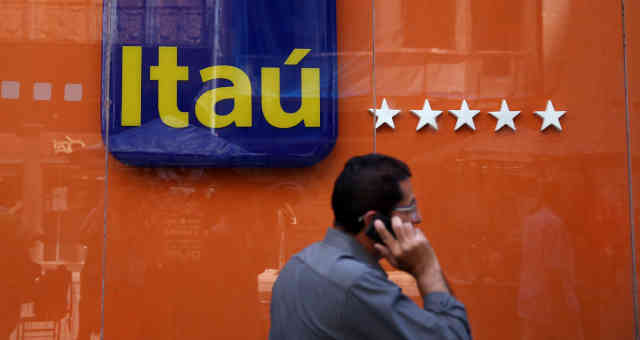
[[411, 252]]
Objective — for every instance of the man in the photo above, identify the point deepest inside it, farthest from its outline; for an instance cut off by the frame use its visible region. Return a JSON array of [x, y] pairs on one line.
[[335, 289]]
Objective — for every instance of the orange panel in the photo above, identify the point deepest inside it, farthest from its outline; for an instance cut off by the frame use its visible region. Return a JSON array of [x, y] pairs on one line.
[[531, 227], [194, 252], [52, 170], [633, 68]]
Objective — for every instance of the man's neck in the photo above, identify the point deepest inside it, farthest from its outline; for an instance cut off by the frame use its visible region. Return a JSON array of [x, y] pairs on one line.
[[365, 241]]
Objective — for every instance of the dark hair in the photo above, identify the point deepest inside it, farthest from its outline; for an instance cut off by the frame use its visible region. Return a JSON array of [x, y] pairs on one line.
[[368, 182]]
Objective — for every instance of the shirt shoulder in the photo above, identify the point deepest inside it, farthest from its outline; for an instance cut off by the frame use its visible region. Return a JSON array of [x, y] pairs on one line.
[[336, 265]]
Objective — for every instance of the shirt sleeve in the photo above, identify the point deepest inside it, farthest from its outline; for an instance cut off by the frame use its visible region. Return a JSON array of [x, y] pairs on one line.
[[377, 309]]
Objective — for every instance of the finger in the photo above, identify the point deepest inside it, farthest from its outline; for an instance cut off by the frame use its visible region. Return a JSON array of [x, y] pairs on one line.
[[405, 232], [409, 230], [420, 235], [396, 225], [386, 253], [385, 235]]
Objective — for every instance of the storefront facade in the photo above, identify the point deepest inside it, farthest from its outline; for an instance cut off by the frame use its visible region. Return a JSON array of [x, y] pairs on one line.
[[533, 215]]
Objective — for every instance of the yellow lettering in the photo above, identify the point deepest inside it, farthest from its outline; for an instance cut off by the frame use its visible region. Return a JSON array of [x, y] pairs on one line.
[[297, 55], [131, 85], [168, 73], [309, 110], [240, 92]]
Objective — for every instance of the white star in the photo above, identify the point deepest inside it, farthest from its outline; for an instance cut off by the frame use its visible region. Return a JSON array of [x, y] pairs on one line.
[[427, 116], [385, 114], [465, 116], [504, 116], [550, 117]]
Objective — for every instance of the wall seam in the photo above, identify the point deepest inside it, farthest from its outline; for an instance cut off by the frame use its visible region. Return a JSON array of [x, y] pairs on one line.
[[634, 280], [373, 71], [107, 18]]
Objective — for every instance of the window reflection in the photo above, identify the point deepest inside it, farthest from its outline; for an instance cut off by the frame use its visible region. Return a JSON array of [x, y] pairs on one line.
[[50, 21], [51, 168], [451, 49]]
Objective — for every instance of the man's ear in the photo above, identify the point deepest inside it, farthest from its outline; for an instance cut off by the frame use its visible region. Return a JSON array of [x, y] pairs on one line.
[[367, 218]]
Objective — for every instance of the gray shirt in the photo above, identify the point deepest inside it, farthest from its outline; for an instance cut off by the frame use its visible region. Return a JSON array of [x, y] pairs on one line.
[[335, 289]]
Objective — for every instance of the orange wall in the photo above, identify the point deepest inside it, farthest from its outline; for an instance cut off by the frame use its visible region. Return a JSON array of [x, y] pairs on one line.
[[531, 227], [633, 90]]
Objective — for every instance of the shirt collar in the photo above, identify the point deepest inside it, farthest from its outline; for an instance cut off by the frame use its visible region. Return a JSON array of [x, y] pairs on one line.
[[343, 241]]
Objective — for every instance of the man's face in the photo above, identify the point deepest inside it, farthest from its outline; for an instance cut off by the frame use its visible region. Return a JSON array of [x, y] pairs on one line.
[[407, 209]]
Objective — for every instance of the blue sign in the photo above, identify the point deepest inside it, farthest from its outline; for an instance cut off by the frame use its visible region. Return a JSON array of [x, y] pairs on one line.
[[221, 83]]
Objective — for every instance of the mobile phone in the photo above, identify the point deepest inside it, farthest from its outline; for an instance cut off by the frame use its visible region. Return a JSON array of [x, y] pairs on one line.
[[371, 230]]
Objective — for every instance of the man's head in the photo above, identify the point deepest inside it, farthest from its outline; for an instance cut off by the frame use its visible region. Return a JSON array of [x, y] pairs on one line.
[[370, 183]]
